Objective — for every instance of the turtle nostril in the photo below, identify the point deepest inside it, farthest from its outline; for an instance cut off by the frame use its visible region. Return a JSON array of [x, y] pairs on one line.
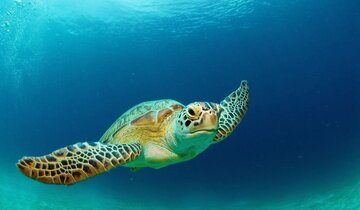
[[191, 112]]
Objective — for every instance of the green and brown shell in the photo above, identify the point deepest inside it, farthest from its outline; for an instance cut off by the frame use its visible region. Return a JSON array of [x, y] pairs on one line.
[[144, 122]]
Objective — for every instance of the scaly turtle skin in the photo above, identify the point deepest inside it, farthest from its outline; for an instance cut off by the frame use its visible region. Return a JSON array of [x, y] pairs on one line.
[[152, 134]]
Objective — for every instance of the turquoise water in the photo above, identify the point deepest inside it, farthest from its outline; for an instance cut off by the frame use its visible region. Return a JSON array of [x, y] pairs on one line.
[[19, 193], [68, 69]]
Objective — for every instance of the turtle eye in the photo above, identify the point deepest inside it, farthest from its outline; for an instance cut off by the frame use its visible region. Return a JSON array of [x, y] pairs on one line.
[[191, 112]]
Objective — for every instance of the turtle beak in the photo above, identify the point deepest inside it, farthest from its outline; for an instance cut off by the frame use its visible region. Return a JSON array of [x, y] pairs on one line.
[[207, 122], [199, 117]]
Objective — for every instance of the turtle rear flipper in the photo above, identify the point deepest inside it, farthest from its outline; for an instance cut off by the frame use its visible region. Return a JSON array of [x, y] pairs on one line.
[[233, 109], [78, 162]]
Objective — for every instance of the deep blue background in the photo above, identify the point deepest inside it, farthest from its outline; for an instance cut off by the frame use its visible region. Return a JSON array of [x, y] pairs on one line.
[[302, 60]]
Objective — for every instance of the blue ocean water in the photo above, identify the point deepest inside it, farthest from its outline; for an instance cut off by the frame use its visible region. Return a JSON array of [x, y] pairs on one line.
[[68, 69]]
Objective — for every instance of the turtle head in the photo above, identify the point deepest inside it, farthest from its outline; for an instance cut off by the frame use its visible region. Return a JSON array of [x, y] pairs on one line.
[[198, 121]]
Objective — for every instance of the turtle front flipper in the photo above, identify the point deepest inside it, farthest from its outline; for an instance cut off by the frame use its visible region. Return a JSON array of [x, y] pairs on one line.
[[233, 109], [78, 162]]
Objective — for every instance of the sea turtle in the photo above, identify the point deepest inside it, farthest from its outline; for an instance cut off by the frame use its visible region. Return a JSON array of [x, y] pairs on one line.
[[151, 134]]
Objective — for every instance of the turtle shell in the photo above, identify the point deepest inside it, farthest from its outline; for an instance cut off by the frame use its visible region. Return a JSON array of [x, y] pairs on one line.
[[145, 121]]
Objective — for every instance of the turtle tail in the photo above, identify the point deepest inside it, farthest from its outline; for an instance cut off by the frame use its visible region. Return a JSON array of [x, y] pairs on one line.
[[233, 109], [78, 162]]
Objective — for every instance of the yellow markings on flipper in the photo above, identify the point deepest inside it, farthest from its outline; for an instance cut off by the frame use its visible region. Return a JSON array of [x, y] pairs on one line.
[[78, 162], [233, 110]]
